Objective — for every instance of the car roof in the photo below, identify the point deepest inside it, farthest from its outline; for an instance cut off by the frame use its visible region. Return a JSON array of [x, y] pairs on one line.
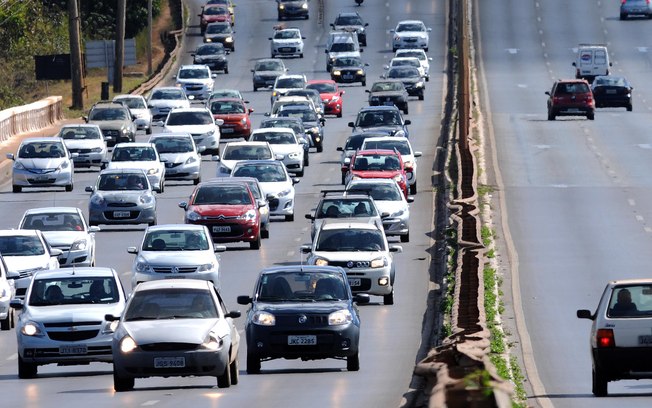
[[348, 13], [386, 137], [267, 161], [571, 81], [19, 232], [186, 227], [227, 99], [194, 66], [172, 284], [249, 142], [41, 140], [642, 281], [170, 134], [321, 81], [77, 272], [335, 224], [302, 268], [191, 109], [127, 96], [46, 210], [373, 181], [370, 152], [134, 144], [122, 171]]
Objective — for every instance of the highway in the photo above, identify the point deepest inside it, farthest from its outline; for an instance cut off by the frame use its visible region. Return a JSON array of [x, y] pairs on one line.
[[391, 335]]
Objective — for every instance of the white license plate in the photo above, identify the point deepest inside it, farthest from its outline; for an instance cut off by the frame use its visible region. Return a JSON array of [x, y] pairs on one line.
[[73, 349], [169, 362], [355, 282], [121, 214], [645, 340], [222, 228], [306, 340], [227, 130]]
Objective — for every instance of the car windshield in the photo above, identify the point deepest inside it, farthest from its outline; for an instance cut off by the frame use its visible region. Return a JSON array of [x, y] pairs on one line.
[[175, 240], [129, 153], [354, 142], [380, 192], [387, 86], [58, 221], [210, 49], [265, 173], [609, 81], [301, 286], [41, 150], [174, 303], [286, 34], [345, 208], [227, 194], [21, 245], [215, 11], [274, 137], [244, 152], [108, 114], [226, 107], [323, 87], [350, 240], [377, 162], [189, 118], [631, 301], [572, 88], [268, 66], [122, 181], [167, 144], [74, 291], [342, 47], [167, 94], [415, 54], [193, 73], [80, 133], [410, 27], [405, 63], [399, 145], [348, 20], [215, 28], [403, 72], [290, 83], [133, 103], [282, 122], [305, 115], [347, 62], [387, 118], [226, 93]]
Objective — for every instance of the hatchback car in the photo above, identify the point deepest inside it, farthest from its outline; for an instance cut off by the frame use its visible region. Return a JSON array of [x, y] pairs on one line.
[[386, 119], [265, 72], [635, 8], [349, 69], [302, 312], [330, 94], [173, 328], [410, 34], [285, 82], [620, 337], [611, 91], [66, 229], [137, 105], [259, 195], [405, 61], [213, 55], [403, 146], [163, 99], [284, 142], [352, 144], [196, 80], [418, 53], [142, 156], [378, 163], [351, 21], [234, 152], [229, 210], [292, 9], [571, 97], [85, 140], [388, 93], [176, 251], [121, 196], [42, 162], [199, 122], [220, 32], [355, 204], [295, 124], [115, 120], [62, 319], [235, 116], [182, 158], [287, 42]]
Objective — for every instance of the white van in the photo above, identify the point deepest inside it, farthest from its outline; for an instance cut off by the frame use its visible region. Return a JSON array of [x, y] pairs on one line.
[[592, 60], [340, 44]]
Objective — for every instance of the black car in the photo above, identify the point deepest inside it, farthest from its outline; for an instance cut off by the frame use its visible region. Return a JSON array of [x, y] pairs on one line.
[[213, 55], [313, 124], [351, 21], [391, 92], [266, 71], [295, 124], [220, 32], [292, 9], [302, 312], [411, 78], [611, 91], [381, 119], [349, 69]]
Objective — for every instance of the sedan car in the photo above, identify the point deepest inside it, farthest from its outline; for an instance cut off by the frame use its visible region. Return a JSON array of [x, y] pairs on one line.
[[212, 14], [635, 8], [355, 204], [571, 97], [85, 140], [620, 336], [228, 209], [305, 312], [42, 162], [378, 163], [418, 53], [410, 34], [65, 229], [196, 80], [390, 92], [214, 55], [287, 42], [403, 146], [612, 91], [62, 319], [182, 158], [295, 124], [312, 123], [142, 156], [265, 72], [330, 94], [407, 62], [234, 152], [349, 69], [199, 122], [172, 328], [121, 196], [351, 21], [235, 116], [138, 107], [220, 33], [163, 99], [7, 293], [176, 251], [385, 119], [284, 142], [411, 78]]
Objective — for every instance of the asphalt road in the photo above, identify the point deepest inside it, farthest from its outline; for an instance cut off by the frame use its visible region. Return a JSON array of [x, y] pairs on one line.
[[572, 196], [390, 336]]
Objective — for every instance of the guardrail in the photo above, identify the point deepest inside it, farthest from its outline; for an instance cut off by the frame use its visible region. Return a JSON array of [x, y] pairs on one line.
[[31, 117]]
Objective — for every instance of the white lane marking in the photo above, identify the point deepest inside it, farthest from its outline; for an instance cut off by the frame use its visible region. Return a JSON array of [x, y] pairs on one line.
[[559, 185], [647, 229], [290, 254], [12, 357], [542, 146], [645, 146], [512, 50], [631, 202], [149, 403], [640, 218], [523, 86], [641, 49]]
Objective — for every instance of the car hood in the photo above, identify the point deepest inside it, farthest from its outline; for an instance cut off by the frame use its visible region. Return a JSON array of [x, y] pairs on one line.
[[34, 164], [25, 263], [356, 28], [191, 331], [344, 54], [274, 187], [229, 117], [286, 149], [87, 312], [194, 129], [221, 209], [286, 41], [84, 144], [420, 34], [178, 258], [209, 57], [192, 81], [177, 157], [343, 256], [109, 124], [290, 308], [218, 35], [122, 195], [57, 238], [145, 165]]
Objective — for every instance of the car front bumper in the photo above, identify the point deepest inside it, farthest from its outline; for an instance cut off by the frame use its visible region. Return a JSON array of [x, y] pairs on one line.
[[25, 178], [44, 350], [118, 215], [198, 362]]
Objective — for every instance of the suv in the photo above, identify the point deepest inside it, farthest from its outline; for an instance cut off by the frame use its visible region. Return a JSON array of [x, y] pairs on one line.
[[115, 121], [571, 97], [196, 80], [292, 9], [351, 21], [341, 44], [265, 72]]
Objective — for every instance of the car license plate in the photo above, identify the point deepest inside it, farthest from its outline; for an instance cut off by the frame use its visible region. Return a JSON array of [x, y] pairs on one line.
[[345, 76], [121, 214], [286, 49], [227, 130], [645, 340], [355, 282], [388, 103], [222, 228], [611, 91], [73, 349], [169, 362], [307, 340]]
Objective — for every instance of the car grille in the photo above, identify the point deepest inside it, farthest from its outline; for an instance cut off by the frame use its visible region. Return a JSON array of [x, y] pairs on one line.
[[220, 217], [287, 49], [73, 335], [169, 346], [194, 87], [42, 181], [121, 204], [174, 269], [293, 320], [80, 151], [170, 165], [273, 204], [350, 264], [41, 171], [71, 324]]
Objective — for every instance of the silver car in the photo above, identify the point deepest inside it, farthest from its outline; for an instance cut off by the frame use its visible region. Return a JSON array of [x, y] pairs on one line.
[[64, 228], [142, 156], [175, 327], [138, 107], [162, 100], [7, 293], [63, 318], [122, 196], [176, 251], [85, 140], [181, 156], [42, 162]]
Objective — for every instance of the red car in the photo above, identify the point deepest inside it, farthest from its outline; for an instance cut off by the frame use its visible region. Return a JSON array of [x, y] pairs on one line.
[[378, 164], [235, 115], [212, 14], [229, 210], [330, 93]]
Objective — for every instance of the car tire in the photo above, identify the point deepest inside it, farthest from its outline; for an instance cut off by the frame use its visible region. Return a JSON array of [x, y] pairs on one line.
[[264, 233], [196, 181], [121, 384], [289, 217], [224, 380], [226, 70], [599, 383], [161, 187], [406, 237], [394, 49], [320, 148], [256, 243], [339, 115], [148, 130], [69, 187], [421, 96], [16, 189], [26, 370], [253, 363], [413, 188], [405, 110], [389, 299], [364, 83], [590, 116], [551, 115], [234, 367], [629, 107], [623, 16], [301, 55], [353, 362], [151, 224], [255, 88], [343, 179], [300, 173], [306, 159], [5, 324]]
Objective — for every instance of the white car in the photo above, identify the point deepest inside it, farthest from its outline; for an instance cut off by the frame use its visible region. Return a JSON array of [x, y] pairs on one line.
[[407, 62], [199, 123], [284, 83], [26, 252], [65, 229], [361, 249], [196, 80], [176, 251], [163, 99], [419, 53], [42, 162], [403, 146], [234, 152], [294, 101], [180, 155], [275, 181], [62, 319], [143, 156], [284, 142], [287, 42], [390, 201], [410, 34], [7, 293], [138, 107], [87, 141]]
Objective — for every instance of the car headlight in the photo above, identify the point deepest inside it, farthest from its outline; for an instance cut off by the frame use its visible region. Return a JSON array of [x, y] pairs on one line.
[[224, 170], [79, 245], [281, 7], [4, 293], [304, 6], [340, 317], [360, 72], [250, 215], [408, 165], [264, 210], [213, 342], [419, 84], [109, 327], [153, 171], [124, 130], [398, 178], [190, 160], [397, 38], [262, 318], [336, 72], [146, 199], [243, 121], [228, 39], [209, 40], [32, 329], [285, 192], [192, 216], [63, 165], [321, 262], [335, 98], [398, 213], [142, 265], [294, 156], [127, 344], [356, 177], [97, 199], [206, 267], [209, 133], [378, 262], [19, 166]]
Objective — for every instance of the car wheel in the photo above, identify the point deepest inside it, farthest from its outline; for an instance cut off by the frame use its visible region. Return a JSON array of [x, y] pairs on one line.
[[224, 380], [122, 384], [152, 223], [26, 370], [235, 371], [301, 55], [551, 115], [16, 189], [300, 173], [405, 110], [353, 362], [253, 363], [389, 299], [226, 70], [413, 188], [69, 187], [289, 217], [148, 131], [161, 187], [265, 233], [306, 159], [426, 49], [394, 49], [5, 324], [339, 115], [623, 16], [256, 243], [343, 178], [255, 88], [590, 116], [629, 107], [427, 79], [406, 237], [599, 383], [364, 83], [196, 181], [320, 148], [421, 96]]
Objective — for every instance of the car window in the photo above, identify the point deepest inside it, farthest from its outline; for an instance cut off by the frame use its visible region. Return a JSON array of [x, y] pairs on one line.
[[226, 107], [193, 73], [133, 103], [41, 150], [274, 137], [400, 146], [323, 87], [108, 114], [175, 240], [53, 222], [80, 133], [240, 152], [402, 72], [167, 94], [289, 83], [210, 49], [301, 286], [347, 62], [128, 153], [189, 118], [173, 145], [122, 181], [630, 301], [174, 303], [76, 290], [222, 195], [218, 28], [345, 208], [380, 192], [21, 245], [350, 240], [264, 173]]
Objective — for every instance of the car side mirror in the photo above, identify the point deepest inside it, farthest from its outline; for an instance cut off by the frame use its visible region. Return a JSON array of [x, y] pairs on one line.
[[295, 180], [158, 123], [574, 64], [219, 122], [325, 51], [233, 314], [244, 300], [132, 250], [11, 156], [111, 318], [333, 25], [94, 228], [410, 199], [351, 124], [201, 149], [585, 314], [215, 158], [85, 118], [305, 249], [269, 197], [183, 205], [339, 149], [89, 189], [54, 252], [547, 93], [310, 217], [395, 248]]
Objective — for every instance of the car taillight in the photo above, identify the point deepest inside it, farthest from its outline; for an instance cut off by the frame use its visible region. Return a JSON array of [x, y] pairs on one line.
[[605, 338], [625, 1]]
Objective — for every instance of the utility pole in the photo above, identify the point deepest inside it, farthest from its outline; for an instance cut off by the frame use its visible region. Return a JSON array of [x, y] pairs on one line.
[[119, 46], [149, 38], [75, 56]]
